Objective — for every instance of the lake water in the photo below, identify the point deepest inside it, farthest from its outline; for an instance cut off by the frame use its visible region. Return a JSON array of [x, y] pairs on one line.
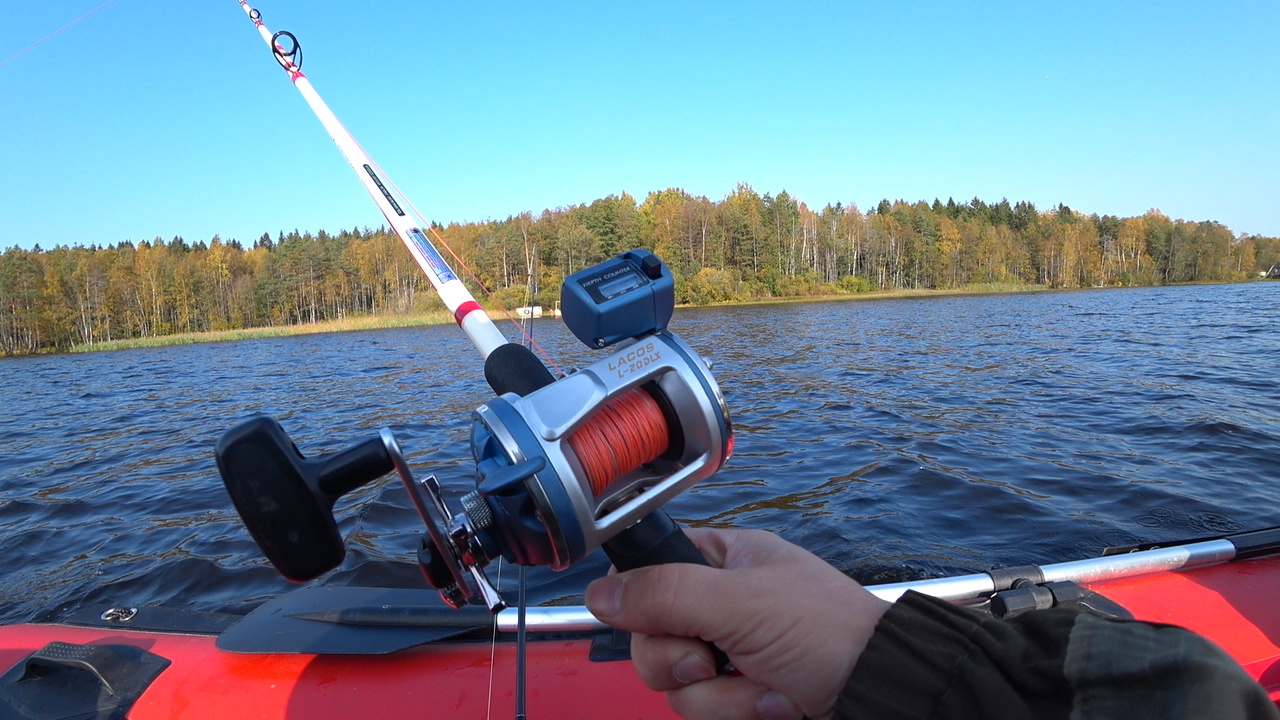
[[897, 438]]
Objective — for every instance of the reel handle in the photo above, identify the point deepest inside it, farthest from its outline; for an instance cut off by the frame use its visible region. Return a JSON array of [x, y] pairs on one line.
[[656, 540], [286, 500]]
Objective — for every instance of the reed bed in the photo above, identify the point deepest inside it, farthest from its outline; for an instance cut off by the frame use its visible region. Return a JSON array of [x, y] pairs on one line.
[[367, 322]]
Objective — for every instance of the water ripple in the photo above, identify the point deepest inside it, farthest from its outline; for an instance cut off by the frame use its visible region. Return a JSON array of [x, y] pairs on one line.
[[899, 439]]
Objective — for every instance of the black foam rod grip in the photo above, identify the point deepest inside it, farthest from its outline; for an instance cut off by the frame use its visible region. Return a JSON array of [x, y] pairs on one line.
[[656, 540], [513, 368]]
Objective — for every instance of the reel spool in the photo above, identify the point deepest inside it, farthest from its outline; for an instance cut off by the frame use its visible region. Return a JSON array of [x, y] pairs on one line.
[[564, 467]]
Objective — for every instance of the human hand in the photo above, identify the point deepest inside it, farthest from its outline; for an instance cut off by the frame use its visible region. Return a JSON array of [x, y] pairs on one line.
[[793, 626]]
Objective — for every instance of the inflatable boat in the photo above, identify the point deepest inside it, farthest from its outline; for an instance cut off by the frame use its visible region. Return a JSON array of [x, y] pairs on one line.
[[395, 653]]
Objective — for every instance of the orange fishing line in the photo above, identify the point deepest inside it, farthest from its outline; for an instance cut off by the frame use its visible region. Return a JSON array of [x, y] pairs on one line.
[[625, 434]]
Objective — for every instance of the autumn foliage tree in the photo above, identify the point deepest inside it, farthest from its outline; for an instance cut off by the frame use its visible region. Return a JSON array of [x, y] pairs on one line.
[[746, 245]]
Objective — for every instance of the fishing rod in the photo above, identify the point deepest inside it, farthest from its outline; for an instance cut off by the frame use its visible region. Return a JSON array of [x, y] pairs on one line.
[[564, 466], [472, 318]]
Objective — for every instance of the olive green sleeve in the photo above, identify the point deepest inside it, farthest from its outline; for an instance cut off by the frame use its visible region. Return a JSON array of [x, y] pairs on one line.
[[932, 659], [1136, 670]]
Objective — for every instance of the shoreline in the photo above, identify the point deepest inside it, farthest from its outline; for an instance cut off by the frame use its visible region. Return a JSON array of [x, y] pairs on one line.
[[441, 317], [363, 322]]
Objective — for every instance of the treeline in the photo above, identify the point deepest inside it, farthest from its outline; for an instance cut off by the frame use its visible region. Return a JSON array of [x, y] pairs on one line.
[[745, 246]]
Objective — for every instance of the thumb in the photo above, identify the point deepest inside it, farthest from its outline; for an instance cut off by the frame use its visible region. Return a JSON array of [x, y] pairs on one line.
[[674, 599]]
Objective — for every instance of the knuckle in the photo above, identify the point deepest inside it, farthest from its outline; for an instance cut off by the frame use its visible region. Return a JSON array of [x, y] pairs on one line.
[[649, 664], [721, 700]]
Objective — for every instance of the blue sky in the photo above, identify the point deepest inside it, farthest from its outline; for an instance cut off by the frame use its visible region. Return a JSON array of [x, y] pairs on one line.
[[162, 118]]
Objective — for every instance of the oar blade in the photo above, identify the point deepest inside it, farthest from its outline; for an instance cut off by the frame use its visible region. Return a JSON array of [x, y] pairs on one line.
[[317, 621]]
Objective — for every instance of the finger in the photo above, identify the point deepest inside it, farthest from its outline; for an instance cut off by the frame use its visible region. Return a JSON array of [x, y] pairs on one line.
[[670, 663], [725, 698], [743, 548], [713, 543], [676, 599]]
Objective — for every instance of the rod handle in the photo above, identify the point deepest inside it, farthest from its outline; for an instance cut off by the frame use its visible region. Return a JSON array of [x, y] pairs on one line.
[[657, 540]]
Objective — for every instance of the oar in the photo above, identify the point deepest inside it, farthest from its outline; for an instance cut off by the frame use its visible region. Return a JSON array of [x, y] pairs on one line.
[[375, 621], [1115, 563], [360, 620], [350, 620]]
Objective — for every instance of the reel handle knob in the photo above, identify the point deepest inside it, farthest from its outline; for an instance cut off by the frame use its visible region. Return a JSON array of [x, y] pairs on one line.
[[655, 540], [286, 500]]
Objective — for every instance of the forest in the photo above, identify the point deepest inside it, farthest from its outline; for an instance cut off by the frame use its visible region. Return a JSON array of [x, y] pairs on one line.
[[745, 246]]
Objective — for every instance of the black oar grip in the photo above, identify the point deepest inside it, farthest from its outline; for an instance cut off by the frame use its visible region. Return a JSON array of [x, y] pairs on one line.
[[1255, 544]]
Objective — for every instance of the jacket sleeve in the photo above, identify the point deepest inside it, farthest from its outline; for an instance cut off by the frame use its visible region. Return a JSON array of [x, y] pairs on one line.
[[932, 659]]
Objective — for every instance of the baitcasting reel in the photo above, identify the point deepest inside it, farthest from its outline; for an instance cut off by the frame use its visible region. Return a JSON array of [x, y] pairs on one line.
[[563, 466]]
